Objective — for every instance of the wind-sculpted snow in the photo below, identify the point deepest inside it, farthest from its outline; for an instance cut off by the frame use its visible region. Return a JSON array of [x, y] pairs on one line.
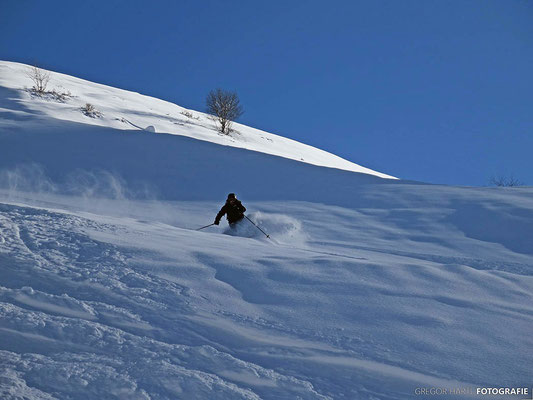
[[122, 306], [77, 159], [100, 320]]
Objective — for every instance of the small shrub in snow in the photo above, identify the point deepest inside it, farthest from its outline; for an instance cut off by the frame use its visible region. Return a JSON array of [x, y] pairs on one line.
[[90, 111], [62, 97], [53, 95], [189, 114], [40, 79], [504, 181]]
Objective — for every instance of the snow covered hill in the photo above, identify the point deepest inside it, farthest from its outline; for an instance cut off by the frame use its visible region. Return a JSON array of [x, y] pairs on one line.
[[369, 289], [125, 110]]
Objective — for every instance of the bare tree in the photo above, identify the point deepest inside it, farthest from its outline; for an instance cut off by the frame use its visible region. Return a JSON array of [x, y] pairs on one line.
[[224, 107], [504, 181], [89, 110], [40, 79]]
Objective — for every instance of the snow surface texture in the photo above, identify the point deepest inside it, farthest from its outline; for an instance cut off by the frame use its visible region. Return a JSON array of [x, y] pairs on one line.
[[367, 289]]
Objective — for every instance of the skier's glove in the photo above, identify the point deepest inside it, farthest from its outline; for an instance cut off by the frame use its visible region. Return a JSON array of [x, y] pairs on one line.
[[217, 222]]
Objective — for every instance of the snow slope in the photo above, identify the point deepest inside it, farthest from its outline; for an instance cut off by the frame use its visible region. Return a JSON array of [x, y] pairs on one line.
[[127, 110], [369, 289]]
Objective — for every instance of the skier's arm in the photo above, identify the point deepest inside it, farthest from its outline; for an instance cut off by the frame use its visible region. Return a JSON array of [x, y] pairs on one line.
[[242, 208], [220, 214]]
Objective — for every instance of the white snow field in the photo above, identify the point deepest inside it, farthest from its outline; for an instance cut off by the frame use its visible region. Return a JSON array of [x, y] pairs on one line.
[[369, 288]]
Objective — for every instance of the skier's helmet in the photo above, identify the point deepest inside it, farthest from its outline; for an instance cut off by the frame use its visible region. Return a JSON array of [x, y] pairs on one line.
[[231, 196]]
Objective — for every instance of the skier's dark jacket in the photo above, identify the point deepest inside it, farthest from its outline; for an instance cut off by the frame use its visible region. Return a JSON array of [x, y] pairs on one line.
[[233, 209]]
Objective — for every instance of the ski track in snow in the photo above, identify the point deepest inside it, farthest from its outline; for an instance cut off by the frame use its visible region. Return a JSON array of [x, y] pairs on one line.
[[88, 302]]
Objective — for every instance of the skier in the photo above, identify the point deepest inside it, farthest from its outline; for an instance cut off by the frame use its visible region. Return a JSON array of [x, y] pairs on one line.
[[233, 209]]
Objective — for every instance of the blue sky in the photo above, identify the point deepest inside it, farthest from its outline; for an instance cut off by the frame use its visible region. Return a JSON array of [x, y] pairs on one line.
[[437, 91]]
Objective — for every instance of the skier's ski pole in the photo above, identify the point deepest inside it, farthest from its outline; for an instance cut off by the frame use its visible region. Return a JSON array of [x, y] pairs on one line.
[[268, 236], [203, 227]]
